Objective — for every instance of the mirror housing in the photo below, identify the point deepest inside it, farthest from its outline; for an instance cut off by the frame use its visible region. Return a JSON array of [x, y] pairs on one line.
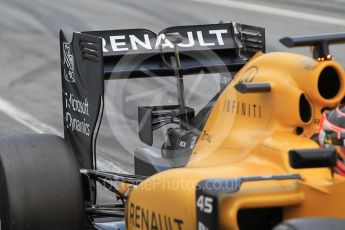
[[313, 158]]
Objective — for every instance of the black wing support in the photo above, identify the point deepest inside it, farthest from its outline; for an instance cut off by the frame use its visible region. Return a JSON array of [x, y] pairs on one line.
[[320, 43]]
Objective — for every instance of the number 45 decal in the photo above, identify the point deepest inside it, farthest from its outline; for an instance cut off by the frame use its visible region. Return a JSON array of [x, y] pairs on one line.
[[205, 204]]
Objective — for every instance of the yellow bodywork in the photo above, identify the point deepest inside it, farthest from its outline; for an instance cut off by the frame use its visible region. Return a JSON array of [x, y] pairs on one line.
[[250, 135]]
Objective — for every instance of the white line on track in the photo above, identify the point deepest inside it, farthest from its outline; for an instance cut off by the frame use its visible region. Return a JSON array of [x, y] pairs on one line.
[[275, 11], [26, 119], [40, 127]]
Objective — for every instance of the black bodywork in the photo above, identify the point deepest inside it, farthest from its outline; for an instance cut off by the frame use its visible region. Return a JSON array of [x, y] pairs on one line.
[[95, 56], [86, 62]]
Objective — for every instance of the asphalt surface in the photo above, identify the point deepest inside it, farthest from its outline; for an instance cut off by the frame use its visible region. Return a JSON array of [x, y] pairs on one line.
[[29, 56]]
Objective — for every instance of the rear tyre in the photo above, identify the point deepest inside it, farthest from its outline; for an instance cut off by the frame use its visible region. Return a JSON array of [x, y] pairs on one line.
[[40, 184]]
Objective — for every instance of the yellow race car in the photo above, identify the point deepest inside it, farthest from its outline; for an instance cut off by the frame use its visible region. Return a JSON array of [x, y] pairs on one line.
[[245, 161]]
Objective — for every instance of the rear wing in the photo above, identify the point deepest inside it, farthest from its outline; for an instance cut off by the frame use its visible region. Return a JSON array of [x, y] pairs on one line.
[[94, 56]]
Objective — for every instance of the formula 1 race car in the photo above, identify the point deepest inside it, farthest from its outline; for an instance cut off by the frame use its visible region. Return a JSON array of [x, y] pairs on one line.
[[244, 161]]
